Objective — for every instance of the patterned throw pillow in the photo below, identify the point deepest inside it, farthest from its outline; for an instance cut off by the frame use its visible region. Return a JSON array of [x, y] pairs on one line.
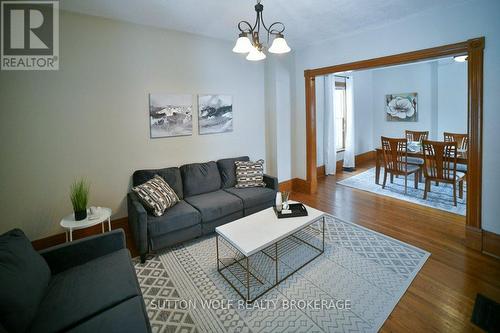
[[249, 174], [156, 195]]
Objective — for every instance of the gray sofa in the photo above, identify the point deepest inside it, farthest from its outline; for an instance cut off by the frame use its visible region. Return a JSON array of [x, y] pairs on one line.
[[88, 285], [208, 199]]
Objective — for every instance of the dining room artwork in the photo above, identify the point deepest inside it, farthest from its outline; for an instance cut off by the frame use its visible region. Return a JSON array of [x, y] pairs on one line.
[[401, 107], [170, 115]]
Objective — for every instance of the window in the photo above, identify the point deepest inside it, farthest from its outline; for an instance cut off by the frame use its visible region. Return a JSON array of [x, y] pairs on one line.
[[340, 114]]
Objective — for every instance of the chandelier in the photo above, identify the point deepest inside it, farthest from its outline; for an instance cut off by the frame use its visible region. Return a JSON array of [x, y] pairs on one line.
[[254, 46]]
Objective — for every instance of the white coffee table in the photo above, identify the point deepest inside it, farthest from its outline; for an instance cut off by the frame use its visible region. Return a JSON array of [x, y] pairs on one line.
[[255, 251], [69, 223]]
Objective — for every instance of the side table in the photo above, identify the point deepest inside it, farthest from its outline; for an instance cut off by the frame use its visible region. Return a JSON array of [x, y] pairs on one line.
[[69, 223]]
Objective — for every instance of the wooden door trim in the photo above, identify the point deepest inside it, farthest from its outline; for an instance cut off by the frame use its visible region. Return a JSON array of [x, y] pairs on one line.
[[474, 49]]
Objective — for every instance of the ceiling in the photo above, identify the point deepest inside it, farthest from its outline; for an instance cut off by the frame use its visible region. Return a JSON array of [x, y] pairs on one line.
[[305, 23]]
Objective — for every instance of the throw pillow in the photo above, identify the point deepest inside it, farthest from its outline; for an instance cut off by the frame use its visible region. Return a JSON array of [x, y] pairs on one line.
[[249, 174], [24, 277], [156, 195]]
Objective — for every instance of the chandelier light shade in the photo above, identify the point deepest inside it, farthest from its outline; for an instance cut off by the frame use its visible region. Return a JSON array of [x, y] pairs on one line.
[[243, 44], [279, 45], [249, 38], [256, 55]]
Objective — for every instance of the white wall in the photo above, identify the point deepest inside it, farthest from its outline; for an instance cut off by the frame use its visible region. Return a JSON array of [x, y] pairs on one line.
[[402, 79], [363, 109], [278, 83], [452, 98], [90, 118], [433, 28]]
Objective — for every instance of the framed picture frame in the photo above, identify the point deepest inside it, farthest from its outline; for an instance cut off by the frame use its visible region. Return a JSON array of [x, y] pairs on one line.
[[170, 115], [215, 113], [401, 107]]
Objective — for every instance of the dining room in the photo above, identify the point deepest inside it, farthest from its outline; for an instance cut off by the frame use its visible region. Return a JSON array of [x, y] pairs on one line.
[[411, 118]]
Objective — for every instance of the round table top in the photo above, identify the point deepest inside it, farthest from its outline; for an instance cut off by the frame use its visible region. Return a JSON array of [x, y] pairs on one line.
[[69, 222]]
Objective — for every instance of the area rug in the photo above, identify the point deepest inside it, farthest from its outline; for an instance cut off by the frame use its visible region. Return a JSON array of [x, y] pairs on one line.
[[353, 286], [440, 197]]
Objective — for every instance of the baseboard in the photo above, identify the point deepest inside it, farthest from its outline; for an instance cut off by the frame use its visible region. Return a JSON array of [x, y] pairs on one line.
[[473, 238], [358, 159], [320, 172], [294, 185], [491, 243], [365, 157], [300, 185], [60, 238], [481, 240], [286, 186]]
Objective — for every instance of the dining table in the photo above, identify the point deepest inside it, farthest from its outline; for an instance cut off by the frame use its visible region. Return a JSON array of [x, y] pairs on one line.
[[379, 158]]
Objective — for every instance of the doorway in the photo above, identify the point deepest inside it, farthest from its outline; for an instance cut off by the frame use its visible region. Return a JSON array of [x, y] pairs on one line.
[[474, 50]]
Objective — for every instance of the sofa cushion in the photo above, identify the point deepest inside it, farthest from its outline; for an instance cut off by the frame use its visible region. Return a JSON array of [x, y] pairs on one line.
[[156, 195], [171, 175], [253, 196], [227, 170], [199, 178], [85, 291], [24, 277], [215, 205], [128, 316], [178, 217]]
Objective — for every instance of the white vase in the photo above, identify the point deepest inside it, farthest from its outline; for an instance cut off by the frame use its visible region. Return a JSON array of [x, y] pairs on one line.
[[279, 201]]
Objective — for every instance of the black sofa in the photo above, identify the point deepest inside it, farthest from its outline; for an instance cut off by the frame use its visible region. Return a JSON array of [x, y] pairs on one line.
[[88, 285], [208, 199]]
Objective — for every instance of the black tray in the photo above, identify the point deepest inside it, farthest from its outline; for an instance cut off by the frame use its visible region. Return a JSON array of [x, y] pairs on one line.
[[297, 209]]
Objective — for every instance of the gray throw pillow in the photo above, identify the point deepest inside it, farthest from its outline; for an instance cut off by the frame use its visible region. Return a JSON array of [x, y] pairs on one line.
[[156, 195], [249, 174], [24, 277]]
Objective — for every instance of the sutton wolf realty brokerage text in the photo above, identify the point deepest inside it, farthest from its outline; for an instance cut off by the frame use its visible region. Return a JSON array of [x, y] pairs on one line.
[[266, 304]]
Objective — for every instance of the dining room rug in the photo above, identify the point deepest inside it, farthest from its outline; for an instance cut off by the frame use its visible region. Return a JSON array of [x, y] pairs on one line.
[[353, 286], [440, 197]]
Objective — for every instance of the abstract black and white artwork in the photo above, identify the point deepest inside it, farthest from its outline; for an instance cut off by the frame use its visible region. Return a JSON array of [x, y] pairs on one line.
[[170, 115], [215, 114]]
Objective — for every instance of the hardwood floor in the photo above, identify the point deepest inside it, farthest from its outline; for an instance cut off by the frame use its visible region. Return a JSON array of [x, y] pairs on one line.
[[442, 295]]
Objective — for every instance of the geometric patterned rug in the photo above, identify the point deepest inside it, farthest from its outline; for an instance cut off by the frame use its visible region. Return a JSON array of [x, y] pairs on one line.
[[440, 197], [353, 286]]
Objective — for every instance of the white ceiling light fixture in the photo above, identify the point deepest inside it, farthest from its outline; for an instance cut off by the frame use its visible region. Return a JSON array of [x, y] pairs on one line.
[[461, 58], [255, 54], [254, 47]]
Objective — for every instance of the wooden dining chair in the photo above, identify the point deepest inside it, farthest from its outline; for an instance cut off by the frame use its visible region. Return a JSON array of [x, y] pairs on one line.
[[416, 135], [462, 141], [395, 152], [440, 165]]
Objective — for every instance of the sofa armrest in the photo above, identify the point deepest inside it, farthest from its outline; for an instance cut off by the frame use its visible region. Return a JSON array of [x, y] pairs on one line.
[[271, 182], [67, 255], [138, 223]]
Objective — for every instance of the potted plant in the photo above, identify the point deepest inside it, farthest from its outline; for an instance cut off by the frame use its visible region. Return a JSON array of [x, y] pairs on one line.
[[79, 194]]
